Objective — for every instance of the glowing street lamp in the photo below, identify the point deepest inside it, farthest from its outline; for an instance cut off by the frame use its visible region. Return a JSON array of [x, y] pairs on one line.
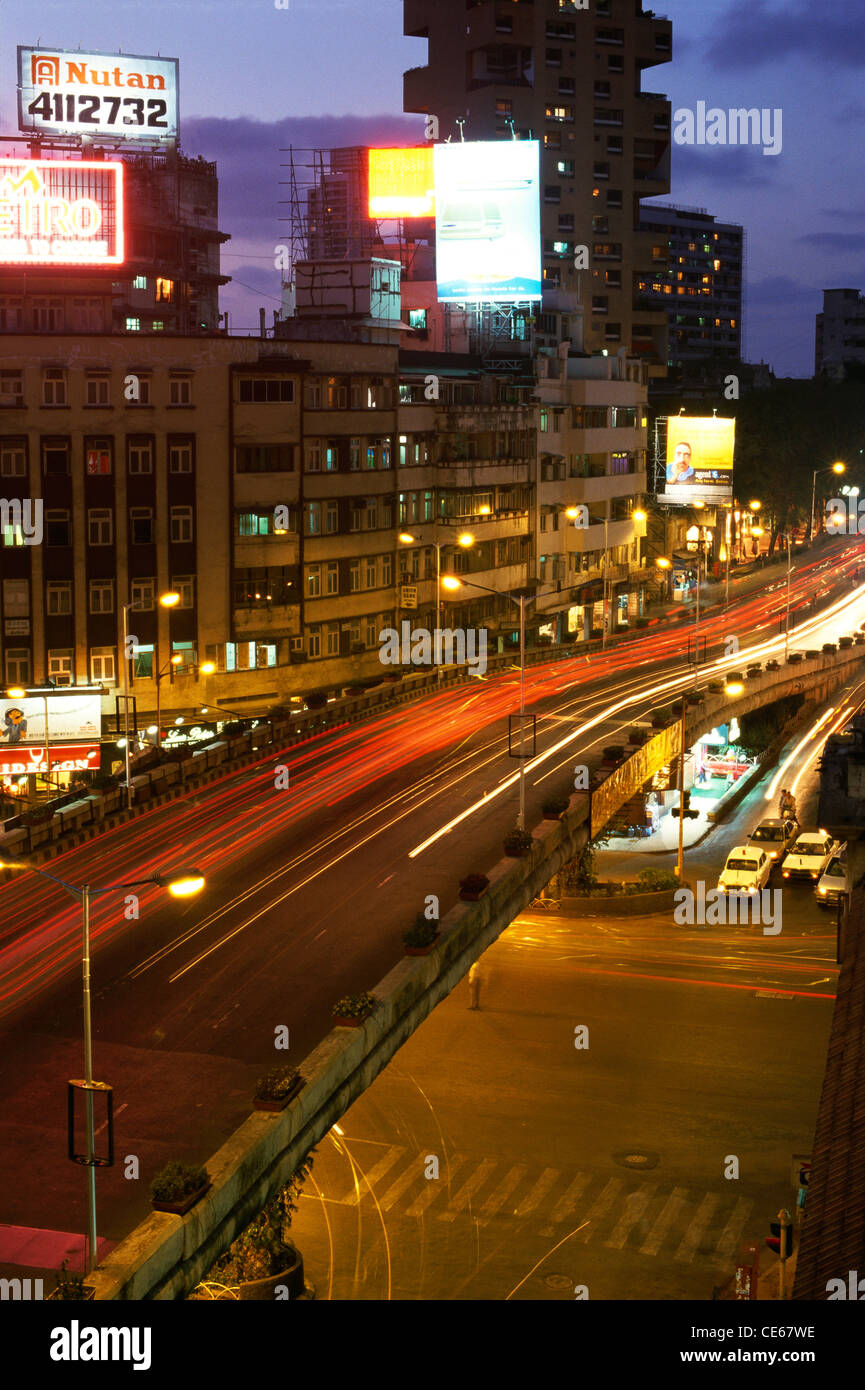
[[466, 540], [837, 468], [167, 600]]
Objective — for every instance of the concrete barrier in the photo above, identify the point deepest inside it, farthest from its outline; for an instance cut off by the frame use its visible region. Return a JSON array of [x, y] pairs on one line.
[[619, 904]]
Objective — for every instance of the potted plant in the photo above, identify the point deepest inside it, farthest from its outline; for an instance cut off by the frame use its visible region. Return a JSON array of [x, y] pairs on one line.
[[794, 658], [40, 815], [276, 1088], [773, 665], [473, 887], [845, 641], [421, 936], [660, 718], [613, 753], [517, 843], [353, 1009], [755, 669], [715, 687], [70, 1287], [177, 1187], [264, 1257], [829, 647], [554, 807], [316, 699]]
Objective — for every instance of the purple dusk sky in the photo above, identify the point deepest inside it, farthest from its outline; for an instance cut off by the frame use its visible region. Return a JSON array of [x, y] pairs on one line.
[[328, 72]]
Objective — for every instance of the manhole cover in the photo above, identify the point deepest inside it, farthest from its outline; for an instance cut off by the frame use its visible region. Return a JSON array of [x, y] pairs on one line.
[[558, 1281], [636, 1158]]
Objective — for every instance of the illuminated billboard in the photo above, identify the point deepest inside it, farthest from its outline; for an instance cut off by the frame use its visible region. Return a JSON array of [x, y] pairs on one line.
[[699, 464], [59, 212], [74, 727], [488, 221], [401, 182], [65, 92]]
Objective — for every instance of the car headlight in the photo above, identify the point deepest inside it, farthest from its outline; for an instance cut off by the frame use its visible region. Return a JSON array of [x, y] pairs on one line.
[[786, 873], [815, 875], [823, 891]]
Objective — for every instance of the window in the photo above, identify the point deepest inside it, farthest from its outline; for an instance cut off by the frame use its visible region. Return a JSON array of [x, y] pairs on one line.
[[100, 526], [180, 457], [141, 525], [180, 524], [18, 665], [331, 639], [61, 669], [139, 389], [417, 318], [164, 290], [57, 528], [263, 458], [184, 585], [140, 456], [140, 282], [47, 315], [313, 640], [369, 576], [354, 454], [102, 664], [331, 456], [337, 393], [85, 316], [58, 597], [12, 387], [98, 389], [371, 520], [142, 593], [387, 569], [312, 518], [554, 57], [312, 456], [565, 167], [179, 390], [11, 314], [354, 576], [13, 459], [370, 455], [101, 593], [133, 326], [332, 577], [312, 394], [266, 389], [313, 581], [54, 386], [331, 522]]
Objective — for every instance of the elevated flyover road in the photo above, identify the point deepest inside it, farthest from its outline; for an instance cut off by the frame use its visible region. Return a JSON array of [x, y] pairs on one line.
[[309, 890]]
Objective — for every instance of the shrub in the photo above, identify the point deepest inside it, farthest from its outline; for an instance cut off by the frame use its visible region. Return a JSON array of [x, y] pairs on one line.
[[656, 880], [265, 1249], [316, 699], [845, 641], [661, 716], [70, 1286], [829, 647], [518, 842], [354, 1005], [578, 875], [613, 753], [176, 1181], [104, 781], [276, 1083], [421, 933], [555, 806], [474, 883], [794, 658]]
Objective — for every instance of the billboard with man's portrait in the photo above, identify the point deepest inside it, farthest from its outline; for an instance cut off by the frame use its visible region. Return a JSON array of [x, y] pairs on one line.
[[699, 463]]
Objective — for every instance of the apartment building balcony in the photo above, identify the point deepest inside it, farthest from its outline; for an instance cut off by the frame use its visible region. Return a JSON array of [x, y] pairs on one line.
[[470, 419], [592, 537], [653, 39], [499, 25], [263, 552], [416, 17], [265, 622], [417, 87]]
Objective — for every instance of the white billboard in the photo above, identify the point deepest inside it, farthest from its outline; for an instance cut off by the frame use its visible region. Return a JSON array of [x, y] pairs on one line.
[[72, 718], [488, 221], [124, 95]]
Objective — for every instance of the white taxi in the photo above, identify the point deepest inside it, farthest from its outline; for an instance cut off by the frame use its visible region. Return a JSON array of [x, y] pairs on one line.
[[747, 870], [810, 856]]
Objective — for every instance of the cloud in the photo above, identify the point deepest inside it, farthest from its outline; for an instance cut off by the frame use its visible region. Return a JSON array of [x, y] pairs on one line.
[[740, 165], [835, 241], [782, 291], [754, 33]]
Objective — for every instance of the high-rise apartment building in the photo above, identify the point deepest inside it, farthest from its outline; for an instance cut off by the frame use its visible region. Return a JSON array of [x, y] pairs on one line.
[[569, 77], [696, 280], [840, 338]]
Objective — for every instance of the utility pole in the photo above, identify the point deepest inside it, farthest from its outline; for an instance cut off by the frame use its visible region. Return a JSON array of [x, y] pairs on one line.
[[787, 617], [680, 865]]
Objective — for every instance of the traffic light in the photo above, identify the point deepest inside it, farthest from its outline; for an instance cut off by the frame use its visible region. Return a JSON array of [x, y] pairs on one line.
[[774, 1240], [686, 808]]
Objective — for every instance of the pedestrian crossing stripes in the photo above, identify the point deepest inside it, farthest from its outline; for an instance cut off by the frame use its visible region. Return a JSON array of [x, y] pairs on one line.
[[619, 1213]]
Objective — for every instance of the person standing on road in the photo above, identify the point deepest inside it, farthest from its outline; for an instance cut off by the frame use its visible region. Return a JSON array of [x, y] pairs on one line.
[[782, 803]]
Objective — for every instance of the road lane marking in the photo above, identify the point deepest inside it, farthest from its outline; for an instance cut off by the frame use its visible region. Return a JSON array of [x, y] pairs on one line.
[[732, 1232], [367, 1181], [602, 1205], [500, 1194], [538, 1192], [468, 1189], [568, 1201], [435, 1187], [697, 1229], [668, 1214], [635, 1205]]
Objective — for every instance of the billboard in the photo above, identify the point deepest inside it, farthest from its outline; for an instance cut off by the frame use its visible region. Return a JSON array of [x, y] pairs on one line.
[[65, 92], [699, 463], [74, 727], [60, 212], [401, 182], [488, 221]]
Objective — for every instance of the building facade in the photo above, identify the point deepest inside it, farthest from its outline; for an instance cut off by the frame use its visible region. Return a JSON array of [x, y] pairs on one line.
[[840, 335]]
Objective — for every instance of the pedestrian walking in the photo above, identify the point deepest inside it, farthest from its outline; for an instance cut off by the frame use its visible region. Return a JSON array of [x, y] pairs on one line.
[[782, 803], [475, 986]]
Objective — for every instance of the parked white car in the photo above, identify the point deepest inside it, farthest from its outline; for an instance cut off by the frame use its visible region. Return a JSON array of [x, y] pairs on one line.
[[809, 857], [833, 886], [747, 870]]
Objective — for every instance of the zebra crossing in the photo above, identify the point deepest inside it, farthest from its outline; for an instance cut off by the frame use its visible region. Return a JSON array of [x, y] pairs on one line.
[[616, 1212]]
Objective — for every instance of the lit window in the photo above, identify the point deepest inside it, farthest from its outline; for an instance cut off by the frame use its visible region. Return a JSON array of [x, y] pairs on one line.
[[164, 290], [133, 325], [140, 282]]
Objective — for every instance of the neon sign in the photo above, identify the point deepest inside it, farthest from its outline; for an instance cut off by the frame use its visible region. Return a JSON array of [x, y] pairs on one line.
[[58, 212]]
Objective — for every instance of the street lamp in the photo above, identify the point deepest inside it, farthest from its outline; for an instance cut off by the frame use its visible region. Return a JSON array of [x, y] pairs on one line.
[[168, 600], [464, 539], [206, 668], [180, 883], [450, 581], [837, 468], [665, 566]]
